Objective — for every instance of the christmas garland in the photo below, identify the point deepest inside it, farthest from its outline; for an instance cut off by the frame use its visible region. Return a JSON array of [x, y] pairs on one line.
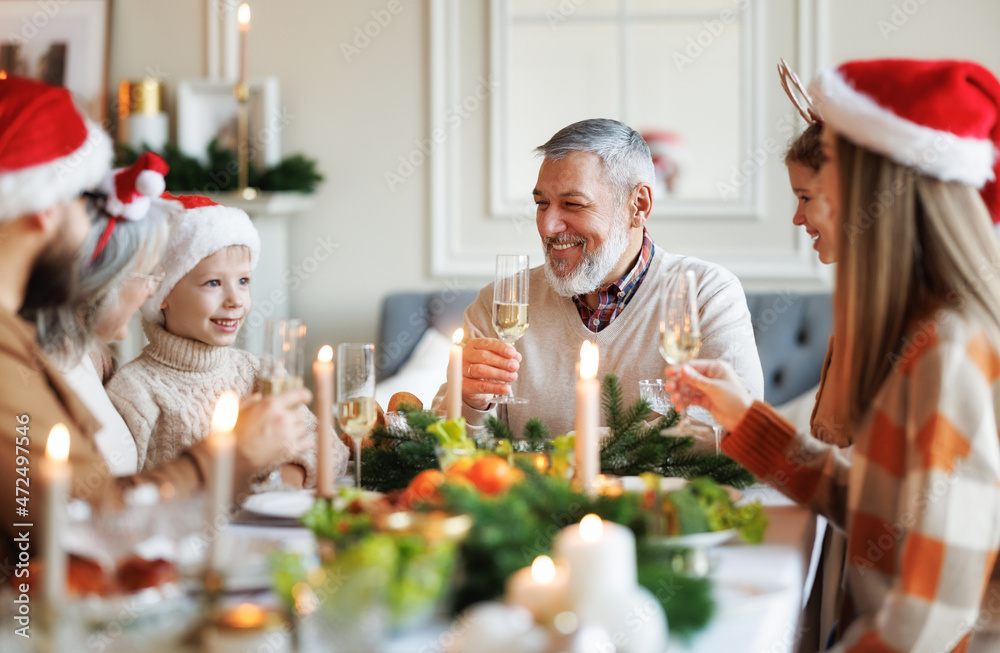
[[293, 173], [632, 446]]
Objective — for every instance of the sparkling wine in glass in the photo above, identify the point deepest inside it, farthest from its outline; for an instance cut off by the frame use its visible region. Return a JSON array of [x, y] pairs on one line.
[[281, 368], [680, 335], [510, 306], [283, 362], [356, 411]]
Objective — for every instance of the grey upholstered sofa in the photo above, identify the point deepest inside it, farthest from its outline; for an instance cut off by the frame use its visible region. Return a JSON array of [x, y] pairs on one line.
[[792, 332]]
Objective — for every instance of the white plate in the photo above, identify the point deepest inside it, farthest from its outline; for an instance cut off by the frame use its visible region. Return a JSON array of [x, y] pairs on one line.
[[697, 540], [288, 504]]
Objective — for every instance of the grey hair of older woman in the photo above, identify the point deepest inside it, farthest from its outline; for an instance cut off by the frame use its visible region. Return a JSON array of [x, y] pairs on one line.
[[67, 332]]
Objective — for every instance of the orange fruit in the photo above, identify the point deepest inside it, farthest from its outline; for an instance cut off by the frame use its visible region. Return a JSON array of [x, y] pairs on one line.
[[424, 486], [460, 467], [492, 474]]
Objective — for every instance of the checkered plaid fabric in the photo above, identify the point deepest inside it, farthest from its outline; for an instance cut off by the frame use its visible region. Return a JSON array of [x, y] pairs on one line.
[[614, 297], [920, 498]]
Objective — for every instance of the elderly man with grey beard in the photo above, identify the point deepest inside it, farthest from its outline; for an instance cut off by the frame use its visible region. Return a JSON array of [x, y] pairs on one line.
[[602, 280]]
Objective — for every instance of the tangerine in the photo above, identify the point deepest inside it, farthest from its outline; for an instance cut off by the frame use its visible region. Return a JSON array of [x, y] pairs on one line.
[[492, 475]]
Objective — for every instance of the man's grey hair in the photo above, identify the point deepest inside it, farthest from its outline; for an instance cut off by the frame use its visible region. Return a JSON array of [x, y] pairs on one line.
[[624, 153], [66, 332]]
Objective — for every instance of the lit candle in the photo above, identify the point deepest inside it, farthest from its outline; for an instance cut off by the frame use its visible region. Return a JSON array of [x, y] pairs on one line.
[[223, 445], [247, 627], [588, 458], [243, 17], [323, 373], [541, 588], [56, 474], [453, 405], [602, 567]]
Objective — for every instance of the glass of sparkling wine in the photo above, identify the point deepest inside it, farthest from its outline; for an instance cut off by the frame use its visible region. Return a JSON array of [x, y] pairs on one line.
[[356, 395], [281, 367], [680, 335], [284, 358], [510, 306]]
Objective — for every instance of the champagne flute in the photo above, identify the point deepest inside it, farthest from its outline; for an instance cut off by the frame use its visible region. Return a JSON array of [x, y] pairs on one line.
[[281, 368], [283, 362], [680, 335], [356, 395], [510, 306]]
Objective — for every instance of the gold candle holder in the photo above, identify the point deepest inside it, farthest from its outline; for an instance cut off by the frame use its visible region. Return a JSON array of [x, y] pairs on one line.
[[243, 135]]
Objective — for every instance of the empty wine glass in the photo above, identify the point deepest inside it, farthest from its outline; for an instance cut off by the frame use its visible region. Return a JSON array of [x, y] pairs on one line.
[[510, 306], [356, 395]]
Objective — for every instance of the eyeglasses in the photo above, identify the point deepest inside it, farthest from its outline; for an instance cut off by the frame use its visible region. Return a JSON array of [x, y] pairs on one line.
[[153, 281], [96, 203]]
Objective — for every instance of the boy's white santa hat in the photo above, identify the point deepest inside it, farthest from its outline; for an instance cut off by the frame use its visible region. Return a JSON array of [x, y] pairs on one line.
[[940, 117], [49, 151], [198, 229]]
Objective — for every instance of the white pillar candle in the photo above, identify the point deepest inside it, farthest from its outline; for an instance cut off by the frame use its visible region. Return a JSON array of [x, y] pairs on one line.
[[588, 390], [602, 567], [220, 490], [453, 406], [243, 17], [542, 588], [56, 474], [323, 373], [230, 45]]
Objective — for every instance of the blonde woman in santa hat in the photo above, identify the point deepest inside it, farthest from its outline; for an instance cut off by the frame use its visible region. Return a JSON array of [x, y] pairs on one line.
[[49, 155], [911, 170], [117, 273], [166, 395]]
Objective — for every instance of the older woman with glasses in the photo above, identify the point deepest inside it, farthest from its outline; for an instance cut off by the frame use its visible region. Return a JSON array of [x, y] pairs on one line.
[[118, 272]]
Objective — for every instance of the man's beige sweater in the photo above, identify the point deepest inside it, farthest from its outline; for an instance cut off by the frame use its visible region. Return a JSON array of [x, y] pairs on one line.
[[167, 396], [550, 349]]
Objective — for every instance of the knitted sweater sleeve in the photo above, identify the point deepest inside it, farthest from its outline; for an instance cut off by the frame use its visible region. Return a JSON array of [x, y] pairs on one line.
[[131, 398], [932, 483], [805, 469]]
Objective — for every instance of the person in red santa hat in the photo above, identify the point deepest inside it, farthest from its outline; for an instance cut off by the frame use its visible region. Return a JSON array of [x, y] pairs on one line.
[[910, 169], [50, 155]]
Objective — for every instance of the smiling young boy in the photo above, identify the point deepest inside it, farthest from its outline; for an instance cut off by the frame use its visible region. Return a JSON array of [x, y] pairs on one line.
[[167, 394]]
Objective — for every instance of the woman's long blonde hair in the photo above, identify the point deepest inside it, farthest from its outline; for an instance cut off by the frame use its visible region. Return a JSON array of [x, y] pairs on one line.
[[909, 244]]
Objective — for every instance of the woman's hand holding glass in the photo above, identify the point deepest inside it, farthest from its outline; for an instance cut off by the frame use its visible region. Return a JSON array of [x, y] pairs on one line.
[[713, 385]]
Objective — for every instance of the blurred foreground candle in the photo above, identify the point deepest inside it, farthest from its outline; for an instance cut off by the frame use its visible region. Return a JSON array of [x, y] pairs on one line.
[[454, 399], [541, 588], [56, 475], [588, 390], [220, 490], [323, 373], [248, 627], [602, 567]]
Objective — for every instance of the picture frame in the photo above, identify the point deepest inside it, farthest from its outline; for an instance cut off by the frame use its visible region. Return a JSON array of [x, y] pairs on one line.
[[207, 109], [64, 43]]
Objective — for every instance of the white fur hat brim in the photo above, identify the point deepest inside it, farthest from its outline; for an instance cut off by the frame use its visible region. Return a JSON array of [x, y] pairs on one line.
[[195, 234], [40, 187]]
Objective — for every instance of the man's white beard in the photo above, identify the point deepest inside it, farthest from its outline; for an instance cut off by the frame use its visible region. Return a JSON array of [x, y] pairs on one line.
[[591, 272]]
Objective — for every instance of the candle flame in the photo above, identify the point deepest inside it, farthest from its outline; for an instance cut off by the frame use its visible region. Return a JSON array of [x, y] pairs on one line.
[[245, 615], [243, 14], [57, 446], [3, 74], [458, 336], [543, 570], [591, 528], [589, 357], [226, 413], [325, 354]]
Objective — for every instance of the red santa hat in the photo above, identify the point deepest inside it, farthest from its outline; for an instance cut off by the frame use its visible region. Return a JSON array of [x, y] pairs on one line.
[[49, 151], [199, 228], [940, 117], [130, 192]]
